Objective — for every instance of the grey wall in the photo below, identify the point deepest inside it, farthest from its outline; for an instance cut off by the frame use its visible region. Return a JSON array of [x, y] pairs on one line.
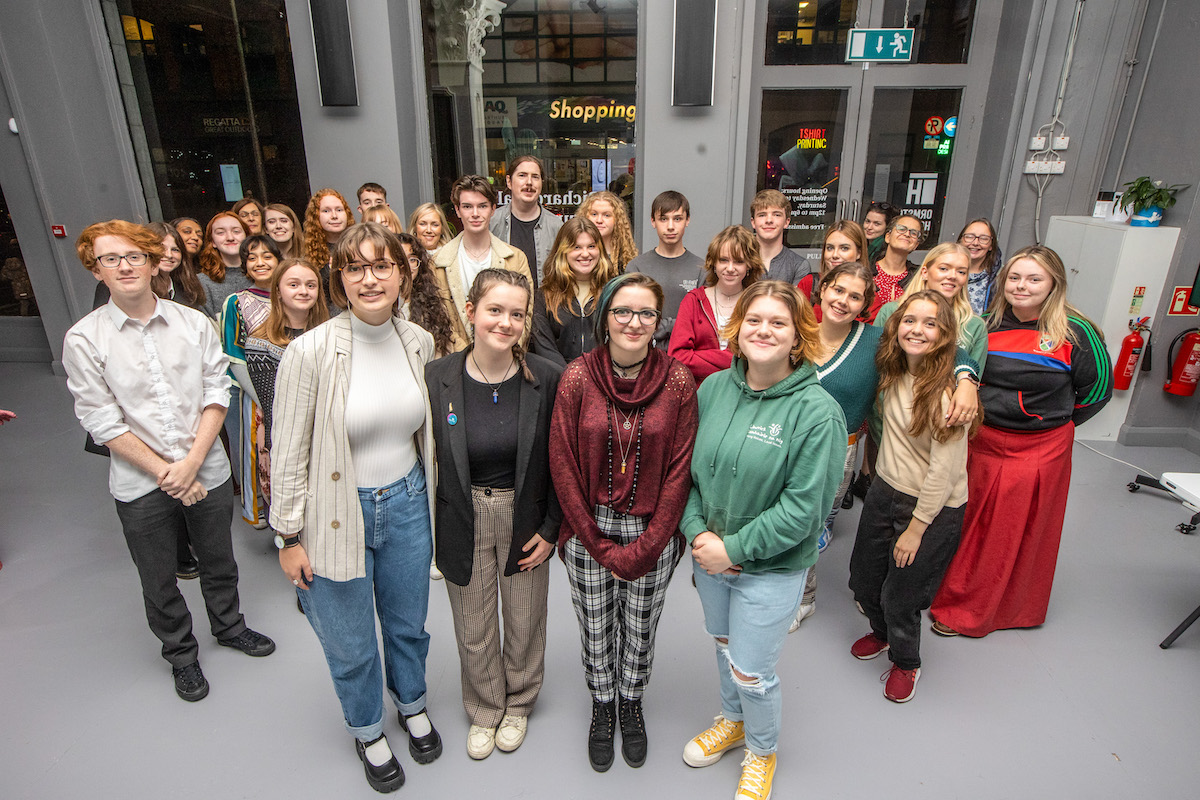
[[1164, 145], [72, 162], [690, 150], [377, 139]]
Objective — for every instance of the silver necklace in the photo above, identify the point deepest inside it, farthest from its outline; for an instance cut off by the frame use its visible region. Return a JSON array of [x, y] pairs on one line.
[[495, 386]]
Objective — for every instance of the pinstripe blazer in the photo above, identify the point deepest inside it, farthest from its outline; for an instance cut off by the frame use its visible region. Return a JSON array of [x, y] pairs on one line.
[[313, 487]]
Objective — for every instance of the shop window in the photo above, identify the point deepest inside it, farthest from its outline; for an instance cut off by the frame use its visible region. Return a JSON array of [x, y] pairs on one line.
[[212, 98], [551, 78]]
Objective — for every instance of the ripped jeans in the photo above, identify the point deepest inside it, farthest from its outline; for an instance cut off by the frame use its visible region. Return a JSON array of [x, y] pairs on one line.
[[752, 612]]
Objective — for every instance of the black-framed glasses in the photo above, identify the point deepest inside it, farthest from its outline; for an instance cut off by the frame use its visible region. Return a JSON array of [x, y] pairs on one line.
[[623, 316], [982, 238], [355, 272], [907, 232], [112, 260]]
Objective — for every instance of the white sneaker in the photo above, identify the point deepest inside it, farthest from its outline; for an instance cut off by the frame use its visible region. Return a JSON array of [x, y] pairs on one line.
[[480, 742], [511, 732], [435, 574], [806, 610]]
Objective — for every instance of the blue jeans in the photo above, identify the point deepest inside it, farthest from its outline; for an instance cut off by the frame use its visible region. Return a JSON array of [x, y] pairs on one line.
[[752, 612], [399, 545]]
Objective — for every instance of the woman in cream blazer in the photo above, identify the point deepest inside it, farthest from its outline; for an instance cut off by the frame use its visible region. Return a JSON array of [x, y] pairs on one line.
[[353, 487]]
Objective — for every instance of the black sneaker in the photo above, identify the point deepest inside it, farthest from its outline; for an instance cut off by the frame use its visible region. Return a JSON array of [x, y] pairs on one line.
[[861, 485], [387, 777], [633, 732], [424, 749], [601, 734], [252, 643], [188, 570], [190, 683], [848, 499]]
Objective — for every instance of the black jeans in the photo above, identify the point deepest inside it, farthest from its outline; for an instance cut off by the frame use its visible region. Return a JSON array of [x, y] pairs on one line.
[[152, 525], [893, 598]]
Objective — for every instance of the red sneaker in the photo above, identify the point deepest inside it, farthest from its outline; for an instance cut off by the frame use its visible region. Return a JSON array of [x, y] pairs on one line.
[[901, 684], [868, 647]]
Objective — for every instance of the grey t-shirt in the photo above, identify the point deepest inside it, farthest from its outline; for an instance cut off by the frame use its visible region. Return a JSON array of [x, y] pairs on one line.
[[678, 276], [787, 267]]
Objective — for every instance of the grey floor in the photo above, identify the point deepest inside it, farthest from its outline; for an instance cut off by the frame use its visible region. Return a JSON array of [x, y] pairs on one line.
[[1085, 706]]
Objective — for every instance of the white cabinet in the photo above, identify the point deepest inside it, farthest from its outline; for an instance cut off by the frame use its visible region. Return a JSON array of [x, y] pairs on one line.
[[1108, 264]]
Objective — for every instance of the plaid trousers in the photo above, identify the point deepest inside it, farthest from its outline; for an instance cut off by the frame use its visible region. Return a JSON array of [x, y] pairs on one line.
[[618, 619]]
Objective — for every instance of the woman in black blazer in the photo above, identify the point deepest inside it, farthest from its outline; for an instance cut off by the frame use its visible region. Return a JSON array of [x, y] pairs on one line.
[[496, 505]]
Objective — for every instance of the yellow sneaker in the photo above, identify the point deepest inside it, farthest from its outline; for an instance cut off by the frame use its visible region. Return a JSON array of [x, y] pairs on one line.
[[708, 747], [757, 774]]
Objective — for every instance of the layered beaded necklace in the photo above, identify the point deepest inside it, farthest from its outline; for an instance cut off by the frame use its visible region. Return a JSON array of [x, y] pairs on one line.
[[628, 424]]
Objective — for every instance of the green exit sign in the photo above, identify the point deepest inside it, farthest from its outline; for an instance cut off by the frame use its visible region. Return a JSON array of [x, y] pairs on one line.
[[879, 44]]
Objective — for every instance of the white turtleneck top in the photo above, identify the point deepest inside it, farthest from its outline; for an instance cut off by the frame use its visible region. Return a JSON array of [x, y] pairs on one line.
[[384, 407]]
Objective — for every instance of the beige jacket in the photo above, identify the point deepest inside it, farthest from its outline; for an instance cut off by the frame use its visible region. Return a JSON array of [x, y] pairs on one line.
[[450, 280], [313, 488]]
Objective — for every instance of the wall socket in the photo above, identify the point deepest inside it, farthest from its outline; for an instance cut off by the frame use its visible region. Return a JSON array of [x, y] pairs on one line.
[[1037, 143], [1057, 167], [1061, 142]]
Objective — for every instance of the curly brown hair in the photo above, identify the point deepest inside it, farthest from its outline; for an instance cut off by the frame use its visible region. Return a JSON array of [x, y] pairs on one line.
[[316, 247], [425, 304]]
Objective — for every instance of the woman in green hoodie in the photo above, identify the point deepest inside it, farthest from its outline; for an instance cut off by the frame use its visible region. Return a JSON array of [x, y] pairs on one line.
[[764, 473]]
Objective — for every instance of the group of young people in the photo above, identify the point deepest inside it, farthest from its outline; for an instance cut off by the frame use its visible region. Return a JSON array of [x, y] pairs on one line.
[[530, 384]]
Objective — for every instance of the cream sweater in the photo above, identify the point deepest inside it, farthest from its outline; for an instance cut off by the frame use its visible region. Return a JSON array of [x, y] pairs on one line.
[[933, 472]]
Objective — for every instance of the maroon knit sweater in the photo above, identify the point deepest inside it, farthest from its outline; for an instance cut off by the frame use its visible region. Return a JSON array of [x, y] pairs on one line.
[[579, 454]]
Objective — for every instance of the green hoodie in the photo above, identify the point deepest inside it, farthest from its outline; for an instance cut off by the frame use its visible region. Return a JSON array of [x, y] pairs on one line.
[[765, 468]]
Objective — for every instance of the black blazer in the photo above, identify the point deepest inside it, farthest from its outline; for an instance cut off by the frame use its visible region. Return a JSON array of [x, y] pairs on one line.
[[535, 506]]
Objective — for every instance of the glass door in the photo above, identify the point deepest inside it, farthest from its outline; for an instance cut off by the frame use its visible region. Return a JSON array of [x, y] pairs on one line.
[[836, 136]]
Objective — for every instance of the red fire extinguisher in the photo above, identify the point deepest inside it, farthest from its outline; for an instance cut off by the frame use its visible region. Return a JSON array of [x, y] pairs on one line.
[[1185, 367], [1131, 349]]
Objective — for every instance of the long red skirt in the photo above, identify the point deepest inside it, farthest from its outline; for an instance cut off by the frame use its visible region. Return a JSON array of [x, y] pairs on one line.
[[1017, 497]]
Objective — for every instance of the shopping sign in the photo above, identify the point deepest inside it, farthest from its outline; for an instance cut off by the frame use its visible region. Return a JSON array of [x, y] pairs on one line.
[[879, 44]]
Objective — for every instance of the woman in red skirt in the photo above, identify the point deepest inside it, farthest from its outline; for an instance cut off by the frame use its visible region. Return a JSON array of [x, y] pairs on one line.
[[1047, 371]]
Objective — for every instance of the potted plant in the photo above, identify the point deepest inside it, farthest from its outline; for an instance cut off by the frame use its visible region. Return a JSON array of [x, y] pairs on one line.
[[1148, 200]]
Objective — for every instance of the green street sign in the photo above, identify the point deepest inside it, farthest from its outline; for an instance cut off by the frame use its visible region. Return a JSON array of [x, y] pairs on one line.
[[879, 44]]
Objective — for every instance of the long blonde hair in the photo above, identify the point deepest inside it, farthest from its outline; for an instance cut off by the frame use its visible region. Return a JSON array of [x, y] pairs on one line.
[[420, 211], [1053, 324], [623, 249], [961, 304], [558, 282]]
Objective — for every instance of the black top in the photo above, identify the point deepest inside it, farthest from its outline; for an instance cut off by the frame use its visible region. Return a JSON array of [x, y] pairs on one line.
[[492, 430], [520, 236], [535, 506]]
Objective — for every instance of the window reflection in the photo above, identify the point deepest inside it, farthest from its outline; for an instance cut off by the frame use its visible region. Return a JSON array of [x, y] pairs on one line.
[[553, 78], [812, 32], [800, 154], [191, 99], [942, 32], [909, 153]]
